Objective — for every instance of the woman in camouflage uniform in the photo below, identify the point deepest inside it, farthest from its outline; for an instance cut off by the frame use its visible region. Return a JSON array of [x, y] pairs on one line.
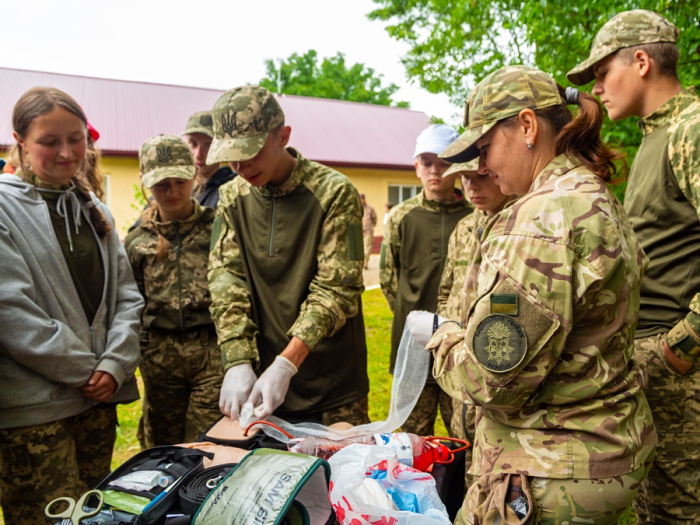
[[69, 312], [550, 309], [168, 251]]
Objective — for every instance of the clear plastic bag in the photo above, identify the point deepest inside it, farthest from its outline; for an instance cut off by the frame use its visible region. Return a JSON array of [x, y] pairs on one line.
[[404, 486]]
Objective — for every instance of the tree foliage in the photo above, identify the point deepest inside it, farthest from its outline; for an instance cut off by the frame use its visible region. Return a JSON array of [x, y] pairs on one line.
[[329, 78], [454, 44]]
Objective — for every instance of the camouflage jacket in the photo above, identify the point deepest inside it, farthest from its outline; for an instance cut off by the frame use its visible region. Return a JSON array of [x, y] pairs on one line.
[[413, 256], [175, 289], [663, 204], [549, 326], [287, 261], [460, 252]]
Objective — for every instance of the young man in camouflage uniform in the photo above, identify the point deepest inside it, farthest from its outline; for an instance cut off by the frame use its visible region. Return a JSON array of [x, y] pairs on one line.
[[285, 272], [488, 200], [369, 221], [413, 255], [198, 134], [633, 61], [168, 252]]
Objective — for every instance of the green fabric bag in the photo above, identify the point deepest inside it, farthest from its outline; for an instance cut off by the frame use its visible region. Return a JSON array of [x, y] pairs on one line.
[[271, 487]]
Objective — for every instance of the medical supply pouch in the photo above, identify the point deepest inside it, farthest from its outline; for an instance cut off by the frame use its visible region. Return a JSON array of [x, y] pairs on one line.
[[271, 487], [147, 485]]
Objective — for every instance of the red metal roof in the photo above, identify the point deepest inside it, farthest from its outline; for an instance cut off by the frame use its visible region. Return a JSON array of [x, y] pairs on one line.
[[127, 113]]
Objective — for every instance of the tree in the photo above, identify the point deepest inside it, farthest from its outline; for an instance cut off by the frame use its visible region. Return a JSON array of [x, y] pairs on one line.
[[332, 78], [454, 44]]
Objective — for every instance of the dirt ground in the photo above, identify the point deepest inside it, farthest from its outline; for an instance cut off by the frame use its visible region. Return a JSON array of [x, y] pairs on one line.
[[372, 274]]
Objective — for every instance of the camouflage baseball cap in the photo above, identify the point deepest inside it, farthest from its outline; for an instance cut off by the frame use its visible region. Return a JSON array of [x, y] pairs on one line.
[[462, 167], [243, 118], [627, 29], [200, 122], [163, 157], [500, 95]]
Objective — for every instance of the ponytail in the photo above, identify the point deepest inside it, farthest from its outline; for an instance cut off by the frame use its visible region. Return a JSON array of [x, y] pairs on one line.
[[579, 138], [163, 245]]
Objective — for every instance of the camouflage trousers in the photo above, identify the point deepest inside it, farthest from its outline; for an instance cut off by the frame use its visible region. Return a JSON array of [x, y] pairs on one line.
[[671, 493], [182, 376], [560, 501], [462, 426], [368, 239], [355, 413], [63, 458], [421, 421]]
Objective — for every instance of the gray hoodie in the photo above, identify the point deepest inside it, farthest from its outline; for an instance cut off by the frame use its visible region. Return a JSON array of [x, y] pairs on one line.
[[47, 348]]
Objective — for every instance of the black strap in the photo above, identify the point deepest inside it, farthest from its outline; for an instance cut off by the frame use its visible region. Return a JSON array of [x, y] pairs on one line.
[[195, 491]]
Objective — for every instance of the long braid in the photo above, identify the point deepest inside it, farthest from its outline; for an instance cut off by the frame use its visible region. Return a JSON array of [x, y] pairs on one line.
[[99, 222], [163, 246]]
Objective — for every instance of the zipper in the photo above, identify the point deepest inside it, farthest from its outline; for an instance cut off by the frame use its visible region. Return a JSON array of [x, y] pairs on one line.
[[179, 277], [270, 248], [442, 231]]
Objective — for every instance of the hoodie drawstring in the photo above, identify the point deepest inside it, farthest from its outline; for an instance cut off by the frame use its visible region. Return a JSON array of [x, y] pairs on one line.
[[62, 209]]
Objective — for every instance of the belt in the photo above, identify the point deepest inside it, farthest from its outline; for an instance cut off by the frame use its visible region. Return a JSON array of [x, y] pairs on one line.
[[204, 332]]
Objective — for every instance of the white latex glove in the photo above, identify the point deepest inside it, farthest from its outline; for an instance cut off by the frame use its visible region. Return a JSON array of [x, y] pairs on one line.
[[271, 388], [238, 382], [422, 325]]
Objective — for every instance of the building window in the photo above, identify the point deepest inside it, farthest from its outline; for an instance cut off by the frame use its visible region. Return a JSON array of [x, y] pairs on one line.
[[402, 192]]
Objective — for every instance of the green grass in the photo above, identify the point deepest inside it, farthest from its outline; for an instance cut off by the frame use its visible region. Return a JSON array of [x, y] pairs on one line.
[[378, 328]]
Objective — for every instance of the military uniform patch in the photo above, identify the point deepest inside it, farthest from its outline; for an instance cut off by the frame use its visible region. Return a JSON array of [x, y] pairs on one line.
[[504, 303], [499, 343]]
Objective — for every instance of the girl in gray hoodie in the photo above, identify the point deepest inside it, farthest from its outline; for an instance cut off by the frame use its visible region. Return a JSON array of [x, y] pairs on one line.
[[69, 312]]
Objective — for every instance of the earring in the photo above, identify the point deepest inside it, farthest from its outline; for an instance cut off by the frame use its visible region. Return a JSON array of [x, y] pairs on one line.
[[529, 146]]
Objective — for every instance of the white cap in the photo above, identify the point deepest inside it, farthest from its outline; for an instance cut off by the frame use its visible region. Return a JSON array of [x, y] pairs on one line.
[[434, 139]]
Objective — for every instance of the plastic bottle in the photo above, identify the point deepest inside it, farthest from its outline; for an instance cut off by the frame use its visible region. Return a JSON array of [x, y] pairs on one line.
[[412, 450]]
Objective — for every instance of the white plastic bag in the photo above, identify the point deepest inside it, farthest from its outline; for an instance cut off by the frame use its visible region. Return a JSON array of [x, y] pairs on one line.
[[348, 492]]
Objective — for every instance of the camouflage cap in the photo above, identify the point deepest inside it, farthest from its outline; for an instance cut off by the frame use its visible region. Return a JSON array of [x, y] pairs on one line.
[[200, 122], [163, 157], [462, 167], [500, 95], [627, 29], [243, 118]]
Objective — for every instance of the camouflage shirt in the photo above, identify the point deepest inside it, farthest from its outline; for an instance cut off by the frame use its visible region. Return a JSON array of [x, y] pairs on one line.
[[663, 203], [413, 256], [548, 338], [369, 219], [460, 252], [287, 261], [175, 289]]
